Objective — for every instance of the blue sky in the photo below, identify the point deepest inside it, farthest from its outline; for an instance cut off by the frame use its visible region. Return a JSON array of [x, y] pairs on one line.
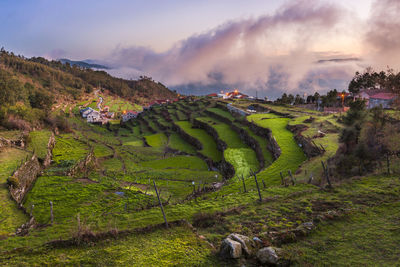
[[91, 28], [271, 46]]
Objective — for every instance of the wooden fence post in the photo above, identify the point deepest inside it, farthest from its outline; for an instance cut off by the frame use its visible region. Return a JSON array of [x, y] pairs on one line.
[[258, 188], [311, 178], [326, 172], [31, 214], [161, 207], [244, 184], [51, 212], [388, 164], [282, 180], [263, 183], [291, 177]]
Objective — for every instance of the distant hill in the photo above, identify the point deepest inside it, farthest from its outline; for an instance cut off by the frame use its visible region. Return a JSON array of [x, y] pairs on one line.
[[84, 64], [30, 86]]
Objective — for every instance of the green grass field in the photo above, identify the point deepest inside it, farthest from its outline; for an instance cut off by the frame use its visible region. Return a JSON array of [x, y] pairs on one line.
[[157, 140], [178, 162], [10, 216], [241, 156], [38, 141], [209, 146], [176, 142], [291, 154]]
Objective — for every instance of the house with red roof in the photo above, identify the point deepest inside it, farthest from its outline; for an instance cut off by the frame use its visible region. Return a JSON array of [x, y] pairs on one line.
[[376, 97], [384, 99]]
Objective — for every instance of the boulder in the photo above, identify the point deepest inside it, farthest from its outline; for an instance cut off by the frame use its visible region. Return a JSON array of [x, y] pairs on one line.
[[303, 229], [230, 249], [267, 255], [244, 241]]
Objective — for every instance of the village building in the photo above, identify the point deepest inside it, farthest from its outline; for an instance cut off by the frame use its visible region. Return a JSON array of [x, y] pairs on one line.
[[129, 115], [381, 99], [376, 97], [94, 117], [86, 111]]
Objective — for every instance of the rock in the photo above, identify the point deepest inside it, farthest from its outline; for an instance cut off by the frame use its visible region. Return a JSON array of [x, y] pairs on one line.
[[267, 255], [230, 249], [308, 225], [258, 241], [244, 241]]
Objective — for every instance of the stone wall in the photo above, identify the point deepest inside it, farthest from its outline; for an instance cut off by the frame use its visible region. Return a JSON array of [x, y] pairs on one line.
[[49, 155], [273, 146], [9, 143], [244, 136], [309, 148], [23, 178], [84, 166], [226, 169]]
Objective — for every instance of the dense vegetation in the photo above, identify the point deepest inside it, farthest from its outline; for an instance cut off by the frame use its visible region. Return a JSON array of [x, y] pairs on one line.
[[30, 87]]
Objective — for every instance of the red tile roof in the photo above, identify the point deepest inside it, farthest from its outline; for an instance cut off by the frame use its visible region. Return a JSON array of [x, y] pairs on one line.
[[384, 96]]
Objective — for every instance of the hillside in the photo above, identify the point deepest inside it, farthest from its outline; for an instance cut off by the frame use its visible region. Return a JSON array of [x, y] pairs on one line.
[[30, 88], [214, 172], [82, 64]]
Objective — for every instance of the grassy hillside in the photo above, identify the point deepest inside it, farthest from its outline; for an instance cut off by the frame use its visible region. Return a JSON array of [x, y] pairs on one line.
[[108, 212], [32, 88]]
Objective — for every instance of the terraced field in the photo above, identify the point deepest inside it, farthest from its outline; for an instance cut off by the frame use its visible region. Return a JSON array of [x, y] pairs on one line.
[[209, 146], [114, 195], [241, 156], [291, 156]]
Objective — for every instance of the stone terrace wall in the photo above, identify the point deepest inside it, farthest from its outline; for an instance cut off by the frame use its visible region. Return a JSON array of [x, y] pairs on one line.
[[23, 179], [244, 136], [273, 146], [25, 176], [307, 145], [227, 170]]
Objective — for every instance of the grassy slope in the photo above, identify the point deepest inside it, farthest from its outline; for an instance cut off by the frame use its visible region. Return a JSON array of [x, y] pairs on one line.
[[178, 162], [209, 146], [176, 142], [157, 140], [179, 247], [38, 141], [291, 154], [368, 237], [10, 216], [241, 156]]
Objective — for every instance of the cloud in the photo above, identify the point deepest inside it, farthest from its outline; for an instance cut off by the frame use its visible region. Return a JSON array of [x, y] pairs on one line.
[[269, 54], [382, 39]]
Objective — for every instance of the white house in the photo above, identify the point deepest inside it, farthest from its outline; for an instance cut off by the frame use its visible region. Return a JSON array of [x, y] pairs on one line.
[[85, 112], [94, 117]]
